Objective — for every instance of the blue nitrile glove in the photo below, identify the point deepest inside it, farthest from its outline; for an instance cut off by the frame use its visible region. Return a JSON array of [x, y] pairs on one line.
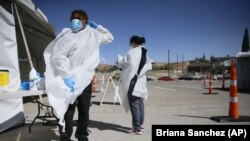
[[70, 83], [93, 24], [25, 85]]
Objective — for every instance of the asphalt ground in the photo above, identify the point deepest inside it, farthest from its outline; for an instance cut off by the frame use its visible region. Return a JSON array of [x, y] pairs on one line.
[[169, 103]]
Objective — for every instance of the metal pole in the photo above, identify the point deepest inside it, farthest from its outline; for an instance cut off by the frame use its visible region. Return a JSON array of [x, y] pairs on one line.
[[182, 63], [177, 62], [168, 60], [24, 38], [223, 81]]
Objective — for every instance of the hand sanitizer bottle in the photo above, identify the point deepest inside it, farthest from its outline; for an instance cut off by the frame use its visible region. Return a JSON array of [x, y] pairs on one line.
[[33, 77]]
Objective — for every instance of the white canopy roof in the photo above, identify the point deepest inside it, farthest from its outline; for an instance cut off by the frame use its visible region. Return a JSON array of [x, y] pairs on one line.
[[39, 33], [243, 54]]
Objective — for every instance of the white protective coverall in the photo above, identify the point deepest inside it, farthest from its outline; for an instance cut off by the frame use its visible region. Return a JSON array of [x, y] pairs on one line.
[[129, 65], [75, 55]]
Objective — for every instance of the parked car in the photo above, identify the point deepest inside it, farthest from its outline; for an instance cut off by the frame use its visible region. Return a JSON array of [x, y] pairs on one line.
[[166, 78], [227, 76], [186, 77]]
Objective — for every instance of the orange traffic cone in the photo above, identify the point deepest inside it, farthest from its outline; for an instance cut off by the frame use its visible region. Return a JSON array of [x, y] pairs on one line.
[[233, 104], [94, 84], [233, 114]]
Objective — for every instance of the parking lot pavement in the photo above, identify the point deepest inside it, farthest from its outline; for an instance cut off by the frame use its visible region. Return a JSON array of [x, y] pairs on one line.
[[170, 102]]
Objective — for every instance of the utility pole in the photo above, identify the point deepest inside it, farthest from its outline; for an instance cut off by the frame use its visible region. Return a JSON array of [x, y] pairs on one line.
[[182, 63], [177, 62], [168, 61]]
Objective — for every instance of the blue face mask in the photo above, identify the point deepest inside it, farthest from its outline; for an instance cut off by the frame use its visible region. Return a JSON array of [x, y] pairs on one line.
[[76, 25]]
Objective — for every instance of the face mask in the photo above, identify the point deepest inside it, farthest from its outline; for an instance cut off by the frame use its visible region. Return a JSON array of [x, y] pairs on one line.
[[76, 25]]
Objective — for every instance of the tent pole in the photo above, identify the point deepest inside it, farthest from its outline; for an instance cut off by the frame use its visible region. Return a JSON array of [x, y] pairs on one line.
[[24, 38]]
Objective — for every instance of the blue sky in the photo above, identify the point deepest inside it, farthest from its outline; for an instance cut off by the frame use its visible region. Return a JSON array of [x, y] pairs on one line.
[[187, 27]]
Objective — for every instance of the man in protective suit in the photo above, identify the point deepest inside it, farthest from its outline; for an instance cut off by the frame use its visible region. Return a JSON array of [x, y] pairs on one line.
[[71, 60]]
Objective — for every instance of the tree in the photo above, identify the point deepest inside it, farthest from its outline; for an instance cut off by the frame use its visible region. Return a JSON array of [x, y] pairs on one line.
[[113, 68], [245, 44]]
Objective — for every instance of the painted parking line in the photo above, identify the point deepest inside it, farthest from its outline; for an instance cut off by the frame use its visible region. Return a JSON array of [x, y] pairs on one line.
[[190, 87], [172, 90], [157, 87]]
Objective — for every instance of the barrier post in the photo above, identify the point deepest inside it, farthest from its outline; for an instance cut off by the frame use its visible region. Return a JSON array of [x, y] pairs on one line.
[[204, 84], [223, 81], [210, 84], [233, 104]]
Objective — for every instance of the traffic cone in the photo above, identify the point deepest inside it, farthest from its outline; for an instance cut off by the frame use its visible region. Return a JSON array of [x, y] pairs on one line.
[[233, 104], [210, 87], [233, 114], [94, 84]]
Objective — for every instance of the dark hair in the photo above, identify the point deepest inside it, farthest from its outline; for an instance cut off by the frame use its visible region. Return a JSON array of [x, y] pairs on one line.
[[137, 40], [81, 15]]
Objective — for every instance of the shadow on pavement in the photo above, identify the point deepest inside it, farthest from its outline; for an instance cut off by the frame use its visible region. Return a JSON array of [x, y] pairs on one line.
[[193, 116], [39, 133], [108, 103], [106, 126], [243, 91]]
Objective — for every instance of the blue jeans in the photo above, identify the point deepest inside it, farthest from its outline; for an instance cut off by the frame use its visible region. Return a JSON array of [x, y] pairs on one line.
[[136, 105]]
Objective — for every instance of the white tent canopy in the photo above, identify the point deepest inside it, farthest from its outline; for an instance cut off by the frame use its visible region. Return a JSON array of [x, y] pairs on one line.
[[39, 33], [13, 56]]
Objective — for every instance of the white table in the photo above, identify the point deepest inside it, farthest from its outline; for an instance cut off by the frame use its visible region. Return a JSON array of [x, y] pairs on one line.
[[27, 93], [20, 94]]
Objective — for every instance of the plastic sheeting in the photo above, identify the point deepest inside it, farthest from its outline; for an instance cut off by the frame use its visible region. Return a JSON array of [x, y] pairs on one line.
[[8, 54], [38, 34], [12, 109]]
